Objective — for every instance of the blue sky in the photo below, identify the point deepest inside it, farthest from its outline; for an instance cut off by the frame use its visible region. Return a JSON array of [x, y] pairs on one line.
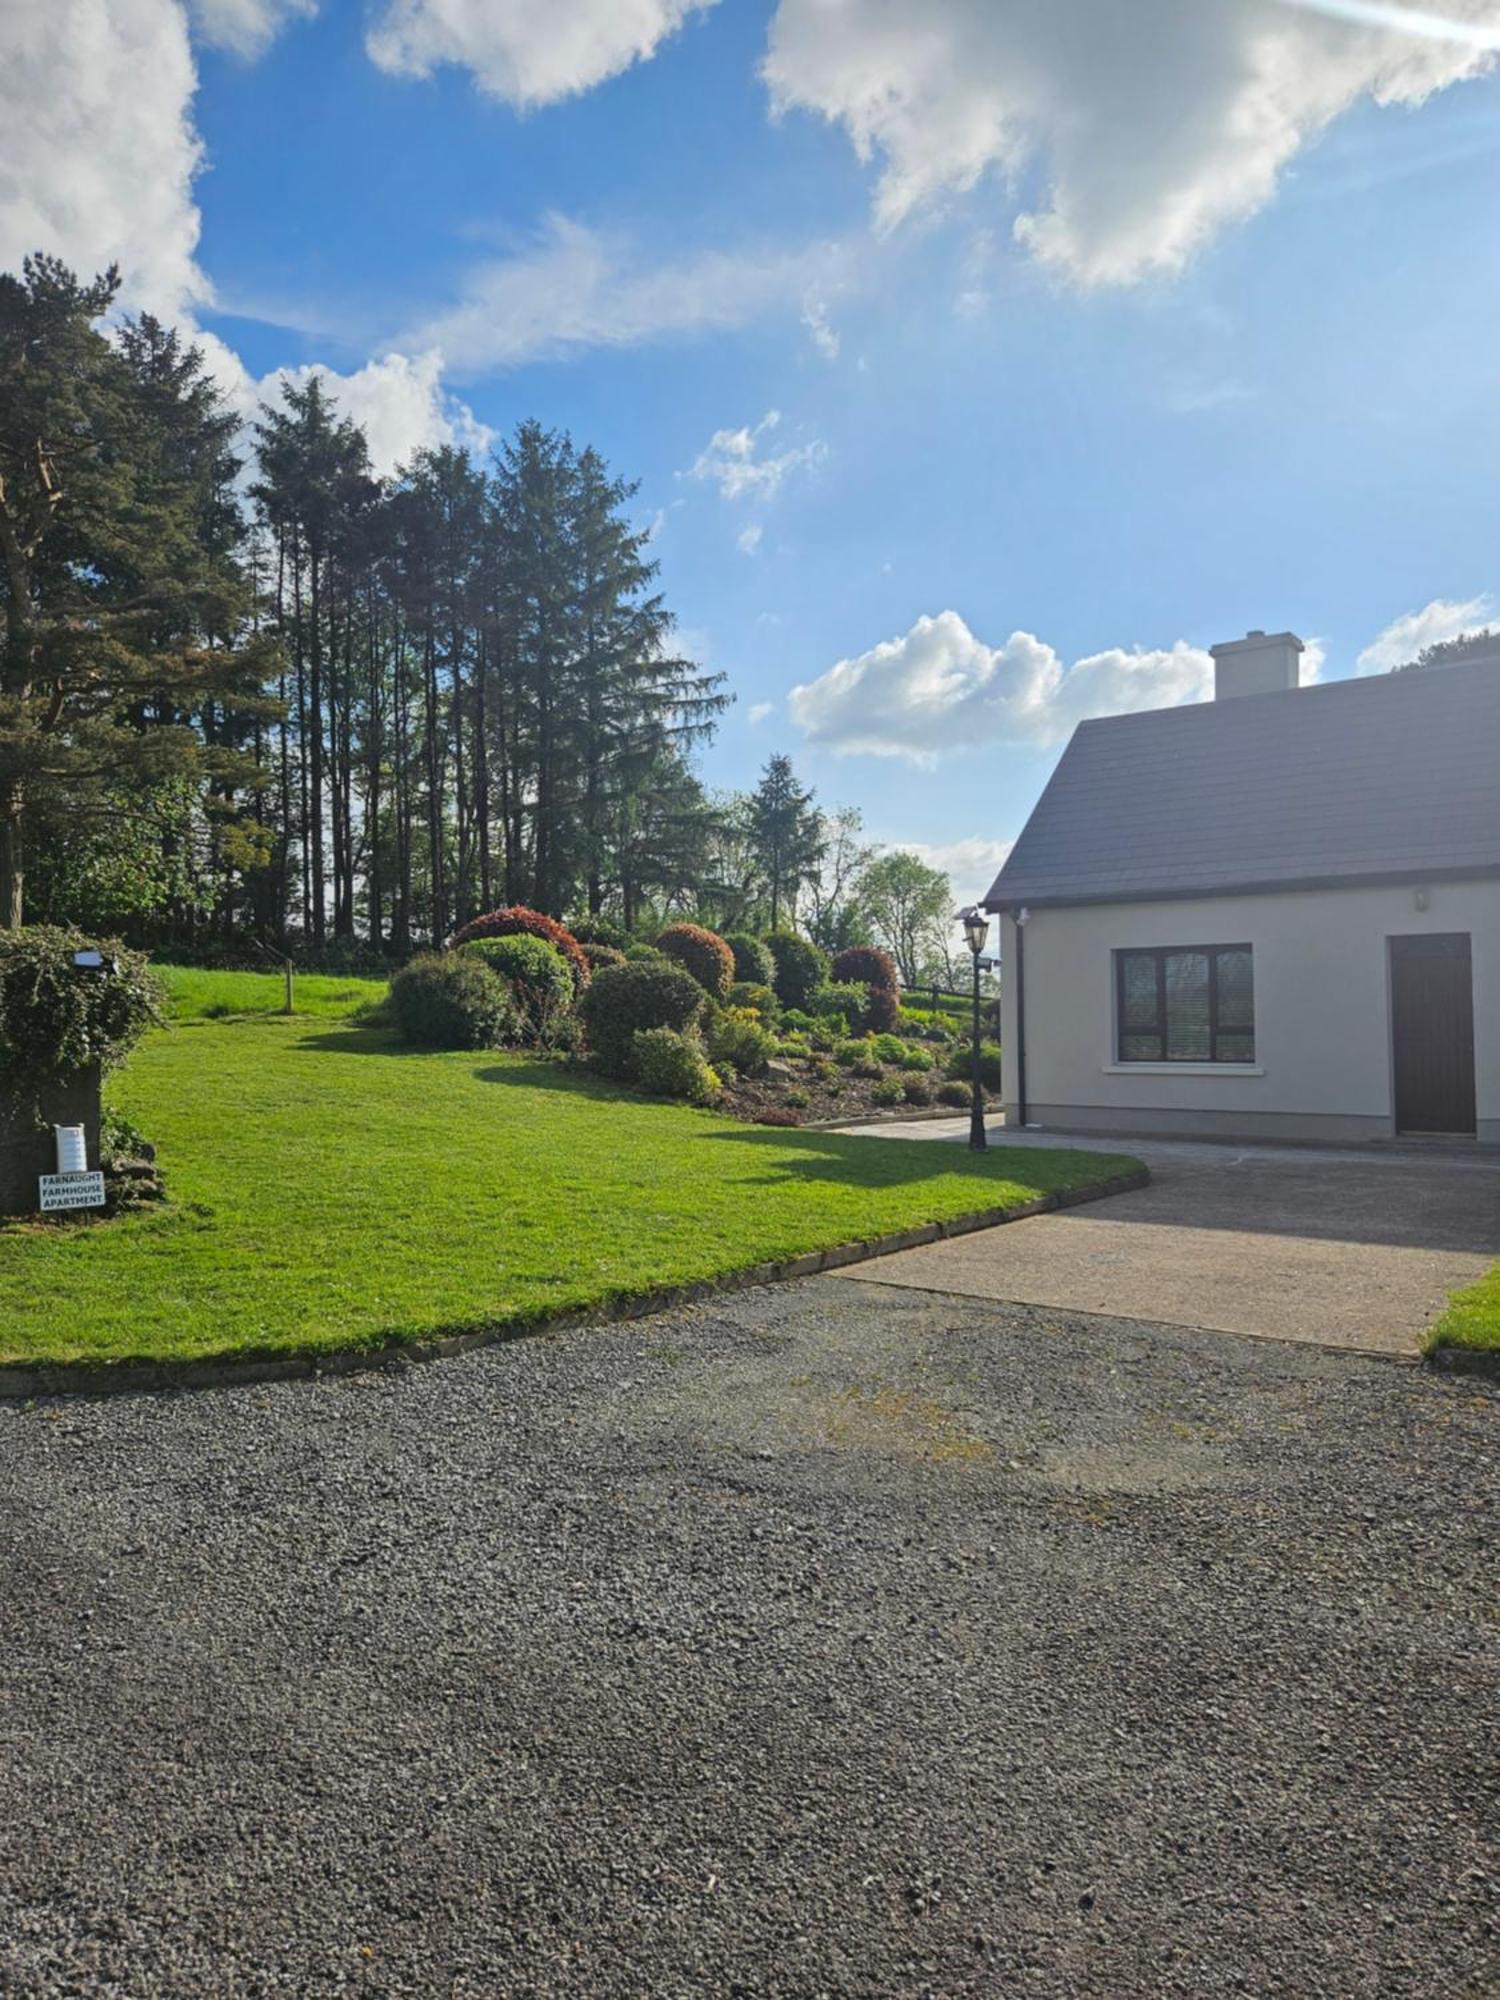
[[958, 345]]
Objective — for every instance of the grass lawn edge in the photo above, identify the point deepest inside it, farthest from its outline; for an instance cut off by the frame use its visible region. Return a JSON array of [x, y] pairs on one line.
[[18, 1380], [1467, 1336]]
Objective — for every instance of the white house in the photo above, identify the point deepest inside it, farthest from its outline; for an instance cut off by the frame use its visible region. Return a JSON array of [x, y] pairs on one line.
[[1271, 915]]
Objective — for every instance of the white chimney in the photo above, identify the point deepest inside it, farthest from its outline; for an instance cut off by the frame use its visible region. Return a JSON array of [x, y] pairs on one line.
[[1260, 663]]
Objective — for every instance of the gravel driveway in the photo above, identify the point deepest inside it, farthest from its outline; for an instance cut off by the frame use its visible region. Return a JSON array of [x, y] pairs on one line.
[[828, 1640]]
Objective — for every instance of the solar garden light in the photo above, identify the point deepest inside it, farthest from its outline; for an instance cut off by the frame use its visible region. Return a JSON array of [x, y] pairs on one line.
[[976, 929]]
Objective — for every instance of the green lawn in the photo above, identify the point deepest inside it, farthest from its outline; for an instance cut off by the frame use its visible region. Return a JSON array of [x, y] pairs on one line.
[[332, 1189], [1472, 1318], [196, 995]]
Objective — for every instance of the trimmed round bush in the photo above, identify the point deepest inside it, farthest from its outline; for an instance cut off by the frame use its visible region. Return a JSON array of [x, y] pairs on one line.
[[760, 998], [638, 953], [888, 1049], [917, 1090], [753, 964], [738, 1038], [704, 954], [626, 999], [867, 965], [670, 1064], [452, 1000], [57, 1017], [960, 1064], [954, 1093], [600, 955], [538, 974], [515, 920], [847, 1000], [801, 968], [599, 930]]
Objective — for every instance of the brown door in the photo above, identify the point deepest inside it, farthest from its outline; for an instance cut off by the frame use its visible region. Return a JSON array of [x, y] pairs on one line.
[[1432, 1021]]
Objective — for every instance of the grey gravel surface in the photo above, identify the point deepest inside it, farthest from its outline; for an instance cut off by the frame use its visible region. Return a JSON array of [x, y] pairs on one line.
[[826, 1640]]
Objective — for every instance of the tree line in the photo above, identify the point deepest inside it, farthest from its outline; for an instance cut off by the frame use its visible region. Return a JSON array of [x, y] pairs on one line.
[[248, 689]]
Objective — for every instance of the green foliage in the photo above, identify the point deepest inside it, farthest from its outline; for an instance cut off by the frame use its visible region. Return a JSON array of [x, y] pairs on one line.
[[753, 964], [916, 1060], [643, 954], [911, 907], [703, 953], [846, 1002], [955, 1093], [917, 1090], [786, 836], [56, 1017], [761, 998], [960, 1064], [796, 1100], [538, 976], [801, 968], [891, 1091], [670, 1064], [738, 1038], [452, 1000], [599, 930], [600, 955], [888, 1049], [515, 920], [625, 999], [797, 1019]]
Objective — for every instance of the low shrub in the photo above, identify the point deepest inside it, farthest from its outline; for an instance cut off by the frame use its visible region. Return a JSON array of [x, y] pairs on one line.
[[960, 1064], [600, 955], [954, 1093], [888, 1048], [761, 998], [827, 1034], [830, 1001], [753, 964], [917, 1090], [792, 1045], [868, 1067], [866, 965], [738, 1037], [889, 1092], [538, 975], [625, 999], [796, 1017], [797, 1100], [703, 953], [452, 1000], [826, 1072], [851, 1052], [56, 1017], [642, 954], [917, 1061], [515, 920], [671, 1064], [801, 968]]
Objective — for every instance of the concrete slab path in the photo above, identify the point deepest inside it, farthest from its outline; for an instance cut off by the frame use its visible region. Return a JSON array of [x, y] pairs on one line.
[[1354, 1248]]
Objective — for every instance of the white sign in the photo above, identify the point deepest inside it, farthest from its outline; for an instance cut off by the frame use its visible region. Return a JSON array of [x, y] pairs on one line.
[[71, 1190]]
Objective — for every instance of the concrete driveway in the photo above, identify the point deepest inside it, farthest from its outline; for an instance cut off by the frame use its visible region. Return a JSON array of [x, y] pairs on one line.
[[1349, 1248]]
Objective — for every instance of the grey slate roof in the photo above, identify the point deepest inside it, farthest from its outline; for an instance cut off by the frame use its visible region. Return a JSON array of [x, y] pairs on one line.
[[1391, 778]]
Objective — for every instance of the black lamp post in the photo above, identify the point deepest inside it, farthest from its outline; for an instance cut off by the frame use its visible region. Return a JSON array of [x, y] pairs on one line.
[[976, 930]]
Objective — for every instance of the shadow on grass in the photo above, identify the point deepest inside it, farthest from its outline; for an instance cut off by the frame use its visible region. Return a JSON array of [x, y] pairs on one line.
[[875, 1163]]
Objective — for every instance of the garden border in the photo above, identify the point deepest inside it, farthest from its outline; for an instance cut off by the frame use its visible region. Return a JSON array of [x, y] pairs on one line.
[[92, 1378]]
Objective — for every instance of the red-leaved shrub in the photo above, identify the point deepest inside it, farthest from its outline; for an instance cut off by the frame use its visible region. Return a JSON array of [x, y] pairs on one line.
[[867, 964], [882, 1009], [702, 953], [515, 920]]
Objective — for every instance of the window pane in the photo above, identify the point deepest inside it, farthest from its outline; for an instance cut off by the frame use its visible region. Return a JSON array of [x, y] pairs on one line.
[[1236, 1047], [1236, 991], [1138, 984], [1140, 1048], [1187, 1006]]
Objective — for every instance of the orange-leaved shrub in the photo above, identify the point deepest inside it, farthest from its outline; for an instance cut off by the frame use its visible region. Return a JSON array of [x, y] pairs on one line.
[[703, 953], [515, 920]]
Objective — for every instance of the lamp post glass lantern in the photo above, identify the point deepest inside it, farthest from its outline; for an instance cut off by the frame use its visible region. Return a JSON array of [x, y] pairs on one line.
[[976, 929]]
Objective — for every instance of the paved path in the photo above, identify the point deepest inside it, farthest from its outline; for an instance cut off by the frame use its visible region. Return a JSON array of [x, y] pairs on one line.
[[825, 1640], [1352, 1248]]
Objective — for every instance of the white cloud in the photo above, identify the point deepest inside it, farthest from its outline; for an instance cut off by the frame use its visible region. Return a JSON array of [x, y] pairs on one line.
[[970, 865], [526, 53], [939, 688], [245, 27], [748, 539], [824, 336], [1148, 127], [759, 711], [732, 461], [573, 287], [1405, 637], [399, 402], [100, 152]]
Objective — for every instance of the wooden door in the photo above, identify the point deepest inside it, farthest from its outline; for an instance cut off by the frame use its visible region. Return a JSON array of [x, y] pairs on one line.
[[1432, 1022]]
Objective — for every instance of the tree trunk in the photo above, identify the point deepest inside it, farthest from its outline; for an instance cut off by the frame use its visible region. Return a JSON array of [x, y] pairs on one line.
[[12, 858]]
